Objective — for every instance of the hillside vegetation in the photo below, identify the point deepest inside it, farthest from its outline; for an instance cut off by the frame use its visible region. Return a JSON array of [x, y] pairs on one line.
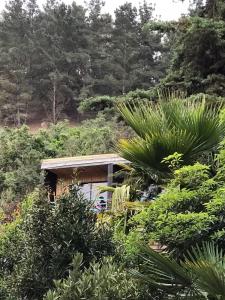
[[149, 90]]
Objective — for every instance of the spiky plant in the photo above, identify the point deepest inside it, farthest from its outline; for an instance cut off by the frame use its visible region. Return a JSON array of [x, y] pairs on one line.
[[200, 276], [120, 195], [186, 127], [121, 199]]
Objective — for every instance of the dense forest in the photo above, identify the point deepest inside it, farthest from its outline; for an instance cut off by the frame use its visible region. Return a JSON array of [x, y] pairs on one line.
[[54, 58], [152, 91]]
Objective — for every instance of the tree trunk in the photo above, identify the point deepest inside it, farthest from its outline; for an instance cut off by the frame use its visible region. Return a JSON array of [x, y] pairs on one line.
[[18, 120], [54, 103], [124, 67]]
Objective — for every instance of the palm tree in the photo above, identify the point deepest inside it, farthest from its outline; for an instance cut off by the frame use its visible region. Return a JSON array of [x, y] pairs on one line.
[[200, 276], [186, 127]]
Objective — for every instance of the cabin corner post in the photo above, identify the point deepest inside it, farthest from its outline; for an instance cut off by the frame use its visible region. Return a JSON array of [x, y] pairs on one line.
[[110, 179], [50, 183]]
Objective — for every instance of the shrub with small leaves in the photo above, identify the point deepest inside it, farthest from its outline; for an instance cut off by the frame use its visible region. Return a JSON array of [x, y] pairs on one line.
[[190, 210]]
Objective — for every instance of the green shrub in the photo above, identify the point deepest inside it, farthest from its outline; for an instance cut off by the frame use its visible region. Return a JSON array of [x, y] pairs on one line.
[[106, 103], [191, 177], [96, 104], [105, 280], [90, 137], [38, 247], [190, 210], [140, 95], [20, 155]]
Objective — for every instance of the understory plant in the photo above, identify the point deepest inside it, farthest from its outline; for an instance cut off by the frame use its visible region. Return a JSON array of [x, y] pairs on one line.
[[200, 275], [38, 247], [105, 280]]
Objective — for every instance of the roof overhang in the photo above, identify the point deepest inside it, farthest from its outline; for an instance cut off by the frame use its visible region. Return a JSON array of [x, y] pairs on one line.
[[82, 161]]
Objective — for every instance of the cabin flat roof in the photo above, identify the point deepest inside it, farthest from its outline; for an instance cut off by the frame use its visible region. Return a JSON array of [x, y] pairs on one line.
[[82, 161]]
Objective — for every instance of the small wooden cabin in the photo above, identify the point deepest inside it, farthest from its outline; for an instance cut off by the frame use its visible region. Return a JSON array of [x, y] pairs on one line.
[[89, 171]]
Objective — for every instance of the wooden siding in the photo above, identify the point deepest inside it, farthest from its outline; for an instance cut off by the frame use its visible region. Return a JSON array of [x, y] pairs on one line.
[[84, 175]]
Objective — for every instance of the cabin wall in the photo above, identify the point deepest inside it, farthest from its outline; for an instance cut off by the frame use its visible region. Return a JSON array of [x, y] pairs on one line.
[[87, 175]]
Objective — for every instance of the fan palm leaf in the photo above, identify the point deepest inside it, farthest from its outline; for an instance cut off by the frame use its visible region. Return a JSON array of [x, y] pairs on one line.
[[200, 276], [162, 272], [189, 128], [208, 266]]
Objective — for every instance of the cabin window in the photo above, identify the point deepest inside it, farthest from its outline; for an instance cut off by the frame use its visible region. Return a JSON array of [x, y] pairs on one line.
[[91, 192]]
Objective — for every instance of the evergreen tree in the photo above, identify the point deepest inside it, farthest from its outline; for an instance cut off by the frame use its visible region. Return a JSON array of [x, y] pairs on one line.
[[16, 52], [99, 79], [125, 45], [53, 58], [197, 64], [148, 68], [214, 9], [137, 54], [63, 59], [15, 99]]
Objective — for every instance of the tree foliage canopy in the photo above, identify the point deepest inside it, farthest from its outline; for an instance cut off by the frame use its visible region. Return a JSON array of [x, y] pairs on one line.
[[64, 53]]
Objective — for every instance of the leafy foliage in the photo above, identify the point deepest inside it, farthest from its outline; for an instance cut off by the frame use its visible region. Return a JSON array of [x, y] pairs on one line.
[[107, 104], [189, 210], [91, 137], [20, 155], [39, 246], [104, 280], [95, 104]]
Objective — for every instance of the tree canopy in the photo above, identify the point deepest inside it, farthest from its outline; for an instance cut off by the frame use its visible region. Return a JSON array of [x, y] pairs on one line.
[[51, 58]]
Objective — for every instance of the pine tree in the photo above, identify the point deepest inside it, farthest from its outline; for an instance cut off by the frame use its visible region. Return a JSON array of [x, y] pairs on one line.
[[125, 45], [62, 60], [15, 59], [137, 54], [15, 99], [99, 79], [148, 68], [66, 53]]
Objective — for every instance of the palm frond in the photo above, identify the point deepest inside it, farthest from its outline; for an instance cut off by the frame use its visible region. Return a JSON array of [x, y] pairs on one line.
[[163, 272], [207, 263], [189, 128], [200, 276]]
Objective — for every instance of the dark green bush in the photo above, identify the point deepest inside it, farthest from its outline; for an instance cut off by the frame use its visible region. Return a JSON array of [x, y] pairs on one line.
[[107, 105], [96, 104], [39, 246]]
